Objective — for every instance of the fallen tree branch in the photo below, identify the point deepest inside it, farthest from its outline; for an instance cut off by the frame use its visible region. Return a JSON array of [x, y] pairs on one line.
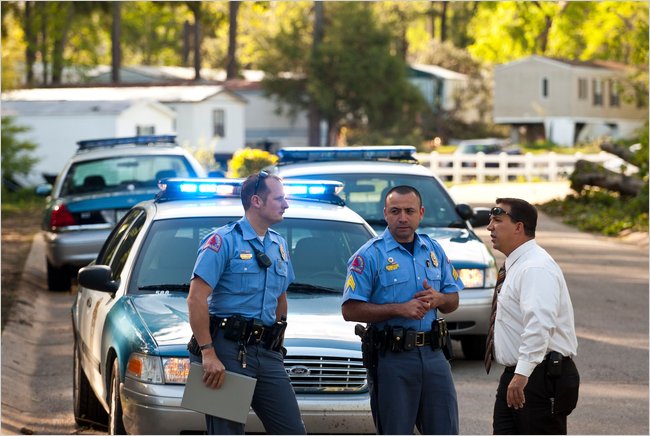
[[591, 174]]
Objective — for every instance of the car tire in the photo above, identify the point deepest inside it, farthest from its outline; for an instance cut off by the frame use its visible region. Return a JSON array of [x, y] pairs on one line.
[[87, 408], [473, 346], [115, 423], [58, 279]]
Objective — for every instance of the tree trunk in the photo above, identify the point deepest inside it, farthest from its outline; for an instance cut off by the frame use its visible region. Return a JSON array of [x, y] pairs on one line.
[[30, 49], [443, 21], [44, 54], [196, 9], [587, 173], [232, 68], [116, 52], [313, 112], [60, 41]]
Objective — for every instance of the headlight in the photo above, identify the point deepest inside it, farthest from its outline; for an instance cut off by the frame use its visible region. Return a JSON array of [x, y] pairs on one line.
[[478, 277], [154, 369]]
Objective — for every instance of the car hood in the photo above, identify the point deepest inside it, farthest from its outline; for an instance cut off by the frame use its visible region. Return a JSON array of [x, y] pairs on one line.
[[112, 200], [462, 246], [315, 315]]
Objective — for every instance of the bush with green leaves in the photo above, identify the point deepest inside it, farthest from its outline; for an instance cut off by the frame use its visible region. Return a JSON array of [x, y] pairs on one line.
[[16, 153]]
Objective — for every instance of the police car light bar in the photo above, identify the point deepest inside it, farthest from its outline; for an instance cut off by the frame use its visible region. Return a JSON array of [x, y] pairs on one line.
[[137, 140], [330, 154], [178, 188], [314, 190]]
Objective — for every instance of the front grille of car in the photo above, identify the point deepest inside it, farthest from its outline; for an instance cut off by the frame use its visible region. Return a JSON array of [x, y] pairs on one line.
[[315, 374]]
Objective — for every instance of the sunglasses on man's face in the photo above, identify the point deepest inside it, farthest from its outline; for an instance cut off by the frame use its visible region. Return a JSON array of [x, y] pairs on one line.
[[497, 211], [260, 176]]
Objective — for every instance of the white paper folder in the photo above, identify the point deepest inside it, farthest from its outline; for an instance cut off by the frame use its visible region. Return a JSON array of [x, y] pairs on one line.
[[231, 401]]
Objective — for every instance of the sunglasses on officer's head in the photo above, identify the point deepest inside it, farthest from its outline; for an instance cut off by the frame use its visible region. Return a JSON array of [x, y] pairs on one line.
[[260, 176], [496, 211]]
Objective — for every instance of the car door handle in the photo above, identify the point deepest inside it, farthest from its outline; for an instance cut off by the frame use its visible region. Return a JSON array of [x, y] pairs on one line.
[[89, 303]]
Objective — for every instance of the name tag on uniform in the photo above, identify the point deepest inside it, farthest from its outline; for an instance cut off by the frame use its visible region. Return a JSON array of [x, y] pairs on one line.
[[245, 255]]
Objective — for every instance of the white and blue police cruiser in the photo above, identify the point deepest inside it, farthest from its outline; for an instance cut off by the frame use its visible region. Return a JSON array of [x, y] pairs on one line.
[[100, 182], [131, 323], [368, 173]]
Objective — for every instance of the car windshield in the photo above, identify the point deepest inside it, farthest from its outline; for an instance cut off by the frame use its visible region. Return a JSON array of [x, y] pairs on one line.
[[123, 173], [319, 252], [364, 193]]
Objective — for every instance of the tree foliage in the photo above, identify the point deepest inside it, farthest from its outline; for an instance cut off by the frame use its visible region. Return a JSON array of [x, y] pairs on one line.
[[16, 153], [353, 77]]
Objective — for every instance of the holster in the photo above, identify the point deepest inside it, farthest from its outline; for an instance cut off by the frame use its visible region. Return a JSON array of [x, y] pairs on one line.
[[193, 344], [440, 338], [370, 344]]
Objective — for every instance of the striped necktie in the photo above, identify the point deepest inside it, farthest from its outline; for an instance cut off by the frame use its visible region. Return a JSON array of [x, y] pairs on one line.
[[489, 344]]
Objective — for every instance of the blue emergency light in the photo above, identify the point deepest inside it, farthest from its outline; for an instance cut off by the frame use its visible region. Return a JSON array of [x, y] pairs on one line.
[[136, 140], [178, 188], [330, 154]]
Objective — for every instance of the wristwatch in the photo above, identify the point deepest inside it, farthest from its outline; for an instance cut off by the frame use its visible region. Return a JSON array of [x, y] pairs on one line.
[[206, 346]]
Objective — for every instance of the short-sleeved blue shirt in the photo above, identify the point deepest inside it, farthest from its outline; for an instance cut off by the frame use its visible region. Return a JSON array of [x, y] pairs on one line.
[[383, 271], [226, 261]]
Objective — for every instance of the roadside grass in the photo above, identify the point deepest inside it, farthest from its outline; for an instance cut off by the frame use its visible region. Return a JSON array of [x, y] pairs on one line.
[[21, 216], [601, 211]]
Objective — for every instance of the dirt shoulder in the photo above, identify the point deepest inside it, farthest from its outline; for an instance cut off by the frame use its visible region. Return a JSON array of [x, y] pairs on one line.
[[18, 230]]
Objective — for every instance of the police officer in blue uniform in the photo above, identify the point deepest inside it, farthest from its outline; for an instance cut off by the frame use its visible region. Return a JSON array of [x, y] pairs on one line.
[[397, 282], [237, 307]]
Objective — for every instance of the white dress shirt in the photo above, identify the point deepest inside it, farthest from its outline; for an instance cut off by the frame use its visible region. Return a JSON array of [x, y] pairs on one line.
[[534, 311]]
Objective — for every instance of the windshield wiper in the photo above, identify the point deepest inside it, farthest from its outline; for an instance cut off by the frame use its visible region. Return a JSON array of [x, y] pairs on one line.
[[165, 286], [310, 288]]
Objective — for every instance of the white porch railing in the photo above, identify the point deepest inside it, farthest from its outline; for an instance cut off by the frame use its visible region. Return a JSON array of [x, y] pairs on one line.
[[504, 167]]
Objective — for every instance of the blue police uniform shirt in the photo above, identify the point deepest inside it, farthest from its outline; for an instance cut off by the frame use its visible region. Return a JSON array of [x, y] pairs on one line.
[[226, 261], [383, 271]]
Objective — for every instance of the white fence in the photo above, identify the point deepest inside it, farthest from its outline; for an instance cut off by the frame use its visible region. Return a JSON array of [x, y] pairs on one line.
[[503, 167]]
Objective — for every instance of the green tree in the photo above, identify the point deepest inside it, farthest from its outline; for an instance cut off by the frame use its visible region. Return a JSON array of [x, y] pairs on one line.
[[353, 77], [16, 154]]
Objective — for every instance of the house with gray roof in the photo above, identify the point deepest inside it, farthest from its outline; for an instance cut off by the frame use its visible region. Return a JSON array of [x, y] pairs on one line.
[[566, 102]]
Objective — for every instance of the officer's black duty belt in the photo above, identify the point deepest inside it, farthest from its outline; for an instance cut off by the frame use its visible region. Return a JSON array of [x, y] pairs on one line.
[[248, 331], [408, 340]]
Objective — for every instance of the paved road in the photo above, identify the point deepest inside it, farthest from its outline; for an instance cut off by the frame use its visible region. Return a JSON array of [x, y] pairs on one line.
[[608, 280]]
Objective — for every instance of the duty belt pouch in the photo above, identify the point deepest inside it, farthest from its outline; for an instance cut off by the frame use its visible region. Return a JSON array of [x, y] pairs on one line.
[[397, 339], [193, 346], [409, 339], [277, 335], [235, 328]]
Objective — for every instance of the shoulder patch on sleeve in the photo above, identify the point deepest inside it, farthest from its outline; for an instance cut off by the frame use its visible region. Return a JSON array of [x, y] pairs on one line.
[[213, 243], [358, 264]]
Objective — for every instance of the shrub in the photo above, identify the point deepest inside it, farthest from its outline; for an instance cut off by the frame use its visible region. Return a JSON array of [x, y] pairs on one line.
[[250, 160]]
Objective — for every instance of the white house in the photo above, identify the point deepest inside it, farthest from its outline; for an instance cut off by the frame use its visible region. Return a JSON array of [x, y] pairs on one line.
[[200, 115], [56, 126], [567, 102]]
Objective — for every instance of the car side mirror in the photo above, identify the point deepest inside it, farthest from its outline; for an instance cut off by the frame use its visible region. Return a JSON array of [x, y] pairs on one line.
[[481, 217], [97, 277], [44, 189], [465, 211]]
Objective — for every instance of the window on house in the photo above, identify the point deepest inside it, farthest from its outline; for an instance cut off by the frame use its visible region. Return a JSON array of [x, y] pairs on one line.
[[582, 89], [219, 123], [145, 130], [545, 87], [598, 92], [614, 97]]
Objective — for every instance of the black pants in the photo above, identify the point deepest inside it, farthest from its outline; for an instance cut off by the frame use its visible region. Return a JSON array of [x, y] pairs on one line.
[[549, 400]]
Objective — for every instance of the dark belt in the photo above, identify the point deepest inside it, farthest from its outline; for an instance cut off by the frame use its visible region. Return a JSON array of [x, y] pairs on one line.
[[419, 339], [250, 332], [512, 368]]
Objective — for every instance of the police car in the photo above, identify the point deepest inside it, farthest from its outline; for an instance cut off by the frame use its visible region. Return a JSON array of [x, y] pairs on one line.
[[131, 325], [368, 173], [103, 179]]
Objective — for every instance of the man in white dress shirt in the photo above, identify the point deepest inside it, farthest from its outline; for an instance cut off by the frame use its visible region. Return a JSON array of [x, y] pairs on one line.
[[534, 330]]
